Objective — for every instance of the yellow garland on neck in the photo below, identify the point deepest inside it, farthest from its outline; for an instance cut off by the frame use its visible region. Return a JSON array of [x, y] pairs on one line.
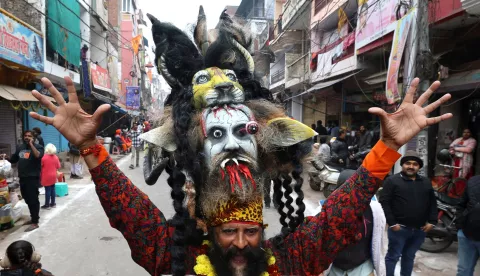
[[203, 265]]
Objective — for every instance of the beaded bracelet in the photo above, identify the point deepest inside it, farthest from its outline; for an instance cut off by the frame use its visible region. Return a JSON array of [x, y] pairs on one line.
[[98, 150]]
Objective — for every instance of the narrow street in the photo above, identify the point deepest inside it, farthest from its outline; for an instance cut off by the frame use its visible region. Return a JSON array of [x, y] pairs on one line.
[[75, 239]]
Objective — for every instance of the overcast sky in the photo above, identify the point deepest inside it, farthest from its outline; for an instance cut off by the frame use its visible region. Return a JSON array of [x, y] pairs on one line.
[[182, 12]]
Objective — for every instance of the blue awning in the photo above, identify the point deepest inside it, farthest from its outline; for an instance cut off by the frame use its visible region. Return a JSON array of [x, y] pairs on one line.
[[117, 108]]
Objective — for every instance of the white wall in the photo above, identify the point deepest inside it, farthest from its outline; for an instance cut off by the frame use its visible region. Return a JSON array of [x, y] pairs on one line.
[[99, 54], [85, 28]]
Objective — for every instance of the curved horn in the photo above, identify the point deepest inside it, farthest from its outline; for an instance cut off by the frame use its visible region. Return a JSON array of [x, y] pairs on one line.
[[246, 54], [162, 67], [201, 32]]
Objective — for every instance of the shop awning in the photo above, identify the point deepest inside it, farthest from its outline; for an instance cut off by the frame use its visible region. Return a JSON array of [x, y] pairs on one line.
[[117, 108], [103, 98], [323, 85], [11, 93]]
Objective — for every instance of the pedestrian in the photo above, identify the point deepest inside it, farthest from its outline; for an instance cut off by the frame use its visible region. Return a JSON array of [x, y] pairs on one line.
[[334, 132], [320, 129], [136, 145], [37, 133], [50, 166], [76, 170], [22, 259], [29, 158], [314, 139], [340, 149], [364, 139], [462, 150], [410, 207], [468, 225], [324, 150], [367, 256], [120, 142]]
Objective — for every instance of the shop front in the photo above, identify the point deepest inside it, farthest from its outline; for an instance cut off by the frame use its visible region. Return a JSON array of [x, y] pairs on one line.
[[21, 61]]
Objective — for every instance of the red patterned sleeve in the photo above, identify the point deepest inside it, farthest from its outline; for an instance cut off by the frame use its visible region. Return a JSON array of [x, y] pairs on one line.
[[131, 212], [316, 242]]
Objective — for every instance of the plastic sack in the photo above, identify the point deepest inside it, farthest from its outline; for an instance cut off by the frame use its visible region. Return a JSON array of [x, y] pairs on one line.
[[6, 214], [17, 210], [5, 167], [14, 198]]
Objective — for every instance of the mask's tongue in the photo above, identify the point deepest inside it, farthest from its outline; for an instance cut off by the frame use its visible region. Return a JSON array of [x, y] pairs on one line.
[[235, 172]]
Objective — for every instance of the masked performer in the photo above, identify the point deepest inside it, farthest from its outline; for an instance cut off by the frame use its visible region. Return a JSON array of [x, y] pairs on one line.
[[224, 136]]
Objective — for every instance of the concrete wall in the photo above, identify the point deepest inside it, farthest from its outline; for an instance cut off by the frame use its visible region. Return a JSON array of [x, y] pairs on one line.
[[99, 39], [127, 63], [326, 11], [114, 7], [24, 11]]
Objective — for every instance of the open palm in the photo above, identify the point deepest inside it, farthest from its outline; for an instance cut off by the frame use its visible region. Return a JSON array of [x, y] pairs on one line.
[[78, 127], [410, 118]]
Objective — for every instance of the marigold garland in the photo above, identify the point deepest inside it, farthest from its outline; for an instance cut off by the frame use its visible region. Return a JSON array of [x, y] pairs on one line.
[[204, 267]]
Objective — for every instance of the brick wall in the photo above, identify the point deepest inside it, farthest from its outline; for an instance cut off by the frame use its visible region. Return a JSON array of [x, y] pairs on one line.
[[23, 11], [114, 21]]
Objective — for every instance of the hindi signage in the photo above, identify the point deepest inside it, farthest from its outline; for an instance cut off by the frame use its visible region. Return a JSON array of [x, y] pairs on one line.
[[20, 44]]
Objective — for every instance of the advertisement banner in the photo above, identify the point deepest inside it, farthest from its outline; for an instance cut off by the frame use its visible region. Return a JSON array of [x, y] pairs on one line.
[[133, 97], [100, 78], [377, 18], [20, 44], [398, 46]]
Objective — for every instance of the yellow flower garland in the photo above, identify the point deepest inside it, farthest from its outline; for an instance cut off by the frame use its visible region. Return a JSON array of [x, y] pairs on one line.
[[204, 266]]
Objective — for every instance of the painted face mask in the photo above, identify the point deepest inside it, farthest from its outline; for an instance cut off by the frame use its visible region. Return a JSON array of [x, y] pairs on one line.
[[230, 146], [213, 87]]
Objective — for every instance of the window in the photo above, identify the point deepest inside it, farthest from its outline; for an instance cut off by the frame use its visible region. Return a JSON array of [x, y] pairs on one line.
[[319, 5], [127, 6]]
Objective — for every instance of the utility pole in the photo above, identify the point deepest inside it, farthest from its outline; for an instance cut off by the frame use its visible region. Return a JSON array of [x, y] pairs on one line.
[[418, 44]]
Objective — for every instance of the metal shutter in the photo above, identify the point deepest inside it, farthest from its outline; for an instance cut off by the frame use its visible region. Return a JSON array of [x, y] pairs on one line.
[[7, 126]]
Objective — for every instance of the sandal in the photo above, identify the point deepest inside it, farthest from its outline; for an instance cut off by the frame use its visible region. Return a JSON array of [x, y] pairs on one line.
[[28, 223], [32, 227]]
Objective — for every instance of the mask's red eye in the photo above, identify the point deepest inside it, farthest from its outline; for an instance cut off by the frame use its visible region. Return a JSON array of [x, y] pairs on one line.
[[252, 127]]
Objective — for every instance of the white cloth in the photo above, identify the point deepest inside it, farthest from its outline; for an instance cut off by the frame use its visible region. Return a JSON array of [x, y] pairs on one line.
[[379, 239], [324, 152]]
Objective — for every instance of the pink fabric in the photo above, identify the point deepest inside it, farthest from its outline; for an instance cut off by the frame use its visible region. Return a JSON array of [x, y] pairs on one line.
[[50, 165], [467, 147]]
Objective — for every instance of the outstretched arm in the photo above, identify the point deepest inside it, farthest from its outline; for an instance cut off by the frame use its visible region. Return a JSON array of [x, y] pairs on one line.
[[315, 244], [129, 210]]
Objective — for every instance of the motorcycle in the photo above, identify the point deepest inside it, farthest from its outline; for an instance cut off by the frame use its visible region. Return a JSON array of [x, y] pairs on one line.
[[445, 232], [448, 192], [154, 162], [326, 177]]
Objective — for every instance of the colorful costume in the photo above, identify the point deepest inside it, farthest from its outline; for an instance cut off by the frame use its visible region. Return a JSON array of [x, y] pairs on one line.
[[223, 137]]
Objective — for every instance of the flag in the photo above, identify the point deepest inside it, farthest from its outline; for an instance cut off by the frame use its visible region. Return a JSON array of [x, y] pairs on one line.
[[342, 19], [136, 41]]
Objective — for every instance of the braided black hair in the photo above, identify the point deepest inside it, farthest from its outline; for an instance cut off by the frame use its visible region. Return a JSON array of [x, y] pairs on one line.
[[20, 255]]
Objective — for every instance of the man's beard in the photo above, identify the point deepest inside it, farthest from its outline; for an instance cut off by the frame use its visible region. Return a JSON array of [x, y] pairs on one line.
[[221, 260], [410, 172], [231, 174]]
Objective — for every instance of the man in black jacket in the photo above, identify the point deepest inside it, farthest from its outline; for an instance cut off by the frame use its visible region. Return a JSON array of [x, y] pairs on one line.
[[28, 156], [410, 207], [340, 149], [468, 223]]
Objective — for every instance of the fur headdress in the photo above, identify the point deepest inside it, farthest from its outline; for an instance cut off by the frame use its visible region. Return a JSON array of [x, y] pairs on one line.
[[222, 134]]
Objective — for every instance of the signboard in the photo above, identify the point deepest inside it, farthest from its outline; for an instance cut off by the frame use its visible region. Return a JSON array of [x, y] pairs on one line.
[[100, 78], [133, 98], [20, 44], [376, 18], [398, 46]]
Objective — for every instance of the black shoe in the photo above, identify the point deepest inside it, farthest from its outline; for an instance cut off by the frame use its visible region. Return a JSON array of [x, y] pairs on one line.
[[72, 176], [132, 167], [45, 207], [267, 205]]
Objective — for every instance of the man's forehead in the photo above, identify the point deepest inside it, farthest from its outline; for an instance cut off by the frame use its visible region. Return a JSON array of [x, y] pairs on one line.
[[240, 225]]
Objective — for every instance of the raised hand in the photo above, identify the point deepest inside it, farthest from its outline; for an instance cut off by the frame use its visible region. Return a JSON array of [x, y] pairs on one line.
[[79, 127], [410, 118]]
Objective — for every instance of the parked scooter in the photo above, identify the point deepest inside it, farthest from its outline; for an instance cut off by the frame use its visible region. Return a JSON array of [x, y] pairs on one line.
[[445, 232], [155, 161], [326, 177]]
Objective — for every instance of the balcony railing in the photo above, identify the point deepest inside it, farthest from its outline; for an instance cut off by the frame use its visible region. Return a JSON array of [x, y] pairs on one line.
[[278, 75]]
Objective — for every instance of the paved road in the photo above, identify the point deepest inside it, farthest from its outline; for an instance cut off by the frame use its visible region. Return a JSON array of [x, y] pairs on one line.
[[76, 239]]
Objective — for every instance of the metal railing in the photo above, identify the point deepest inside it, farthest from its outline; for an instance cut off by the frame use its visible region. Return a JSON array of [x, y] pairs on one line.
[[278, 75]]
